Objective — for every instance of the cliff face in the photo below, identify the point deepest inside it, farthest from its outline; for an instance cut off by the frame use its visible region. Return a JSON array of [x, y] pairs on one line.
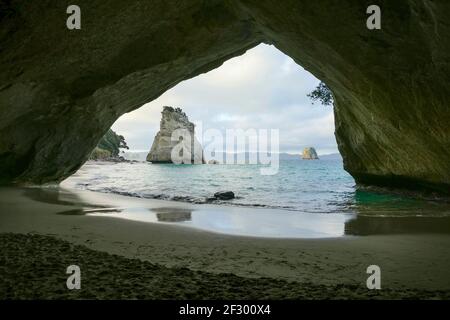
[[309, 154], [390, 85], [175, 141]]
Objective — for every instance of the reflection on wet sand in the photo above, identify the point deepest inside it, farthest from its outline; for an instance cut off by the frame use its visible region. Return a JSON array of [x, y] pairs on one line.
[[172, 214], [65, 197], [369, 214], [378, 213], [81, 212], [57, 195], [367, 225]]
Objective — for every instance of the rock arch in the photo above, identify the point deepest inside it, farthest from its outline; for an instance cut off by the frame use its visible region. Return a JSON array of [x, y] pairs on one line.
[[61, 90]]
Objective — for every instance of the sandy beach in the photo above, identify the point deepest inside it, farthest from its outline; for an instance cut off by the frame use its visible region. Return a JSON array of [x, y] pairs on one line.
[[42, 226]]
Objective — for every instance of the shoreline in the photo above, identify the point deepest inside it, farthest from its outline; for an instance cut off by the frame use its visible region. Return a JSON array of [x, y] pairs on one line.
[[408, 262], [410, 194]]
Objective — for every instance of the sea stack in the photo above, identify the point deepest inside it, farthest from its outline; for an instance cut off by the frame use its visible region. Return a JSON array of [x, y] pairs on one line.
[[309, 154], [175, 142]]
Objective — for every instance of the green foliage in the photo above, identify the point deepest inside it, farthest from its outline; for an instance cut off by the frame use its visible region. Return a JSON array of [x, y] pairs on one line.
[[323, 94], [112, 142]]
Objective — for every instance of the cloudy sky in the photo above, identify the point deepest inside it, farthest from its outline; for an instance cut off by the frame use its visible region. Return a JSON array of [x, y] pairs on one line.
[[262, 89]]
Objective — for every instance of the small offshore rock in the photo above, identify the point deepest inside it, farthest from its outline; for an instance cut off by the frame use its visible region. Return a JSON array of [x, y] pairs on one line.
[[310, 154]]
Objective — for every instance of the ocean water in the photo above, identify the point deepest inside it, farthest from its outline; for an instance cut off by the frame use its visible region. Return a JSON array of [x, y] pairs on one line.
[[319, 186], [304, 199]]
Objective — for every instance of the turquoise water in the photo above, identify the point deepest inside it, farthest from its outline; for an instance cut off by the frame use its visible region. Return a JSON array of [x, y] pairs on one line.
[[309, 186], [308, 199]]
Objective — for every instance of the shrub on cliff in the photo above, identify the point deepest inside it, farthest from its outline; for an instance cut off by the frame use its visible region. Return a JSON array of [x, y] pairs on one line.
[[323, 94]]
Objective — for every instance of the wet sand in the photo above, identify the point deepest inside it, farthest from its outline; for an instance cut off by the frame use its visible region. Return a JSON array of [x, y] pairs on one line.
[[130, 259]]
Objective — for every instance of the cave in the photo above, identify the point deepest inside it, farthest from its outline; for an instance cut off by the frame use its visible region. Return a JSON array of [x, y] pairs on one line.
[[61, 89]]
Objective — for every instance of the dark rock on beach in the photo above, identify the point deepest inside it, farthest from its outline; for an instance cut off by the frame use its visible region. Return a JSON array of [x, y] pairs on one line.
[[224, 195]]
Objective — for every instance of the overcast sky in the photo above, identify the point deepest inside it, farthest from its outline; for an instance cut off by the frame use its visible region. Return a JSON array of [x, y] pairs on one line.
[[262, 89]]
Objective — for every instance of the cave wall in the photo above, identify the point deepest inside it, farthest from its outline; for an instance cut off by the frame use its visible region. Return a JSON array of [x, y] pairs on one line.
[[61, 90]]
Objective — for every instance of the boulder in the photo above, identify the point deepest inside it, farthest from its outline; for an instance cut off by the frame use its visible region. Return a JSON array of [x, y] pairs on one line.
[[224, 195]]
